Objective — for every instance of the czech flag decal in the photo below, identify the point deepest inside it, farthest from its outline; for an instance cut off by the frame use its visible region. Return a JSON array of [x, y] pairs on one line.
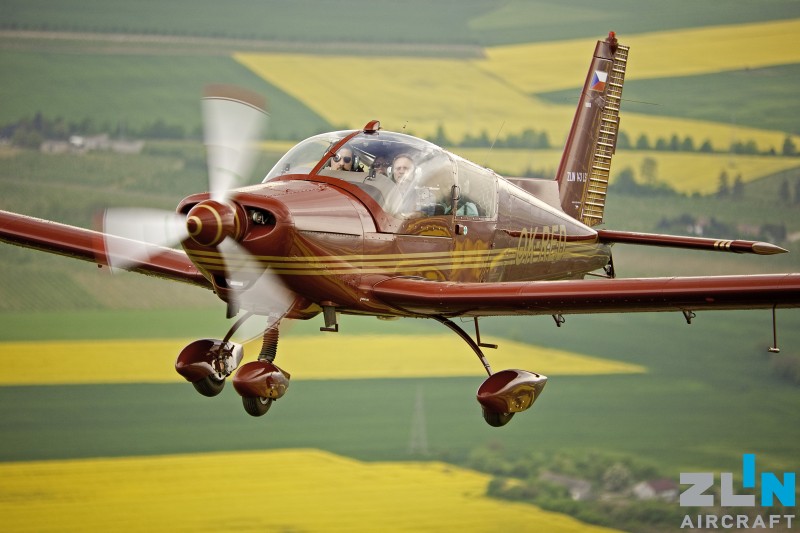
[[599, 81]]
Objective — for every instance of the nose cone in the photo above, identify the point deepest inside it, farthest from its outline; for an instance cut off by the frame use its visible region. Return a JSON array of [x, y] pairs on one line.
[[210, 222]]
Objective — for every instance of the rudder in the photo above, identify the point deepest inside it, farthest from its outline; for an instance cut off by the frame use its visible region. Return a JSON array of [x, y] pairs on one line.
[[585, 166]]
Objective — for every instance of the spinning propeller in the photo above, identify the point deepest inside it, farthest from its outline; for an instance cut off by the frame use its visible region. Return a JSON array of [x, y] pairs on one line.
[[234, 120]]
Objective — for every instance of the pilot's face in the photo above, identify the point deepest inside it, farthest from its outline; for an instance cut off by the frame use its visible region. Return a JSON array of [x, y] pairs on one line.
[[402, 168], [343, 160]]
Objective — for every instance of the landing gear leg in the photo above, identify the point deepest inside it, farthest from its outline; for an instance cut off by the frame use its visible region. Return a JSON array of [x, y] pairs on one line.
[[261, 382], [503, 393], [258, 406]]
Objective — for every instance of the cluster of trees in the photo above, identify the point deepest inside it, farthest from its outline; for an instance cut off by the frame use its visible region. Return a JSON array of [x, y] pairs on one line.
[[528, 478], [687, 144], [728, 190], [528, 138], [31, 132], [786, 194], [691, 225], [625, 182]]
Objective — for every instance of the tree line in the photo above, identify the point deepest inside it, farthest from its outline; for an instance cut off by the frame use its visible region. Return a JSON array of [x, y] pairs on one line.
[[539, 140], [30, 132]]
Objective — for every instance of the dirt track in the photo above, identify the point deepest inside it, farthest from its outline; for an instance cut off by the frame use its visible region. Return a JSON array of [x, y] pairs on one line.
[[124, 43]]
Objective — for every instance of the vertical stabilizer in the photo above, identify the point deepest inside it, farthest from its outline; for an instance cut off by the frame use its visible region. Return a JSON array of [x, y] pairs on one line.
[[586, 164]]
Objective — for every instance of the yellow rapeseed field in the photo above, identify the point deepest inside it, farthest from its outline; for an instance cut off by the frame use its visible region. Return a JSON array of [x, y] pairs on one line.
[[685, 172], [308, 357], [284, 490], [494, 94], [418, 94], [553, 66]]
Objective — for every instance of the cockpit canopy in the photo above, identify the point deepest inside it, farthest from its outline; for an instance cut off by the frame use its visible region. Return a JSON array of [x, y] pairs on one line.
[[408, 177]]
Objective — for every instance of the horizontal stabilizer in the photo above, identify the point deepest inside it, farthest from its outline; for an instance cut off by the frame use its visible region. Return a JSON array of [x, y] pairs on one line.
[[695, 243]]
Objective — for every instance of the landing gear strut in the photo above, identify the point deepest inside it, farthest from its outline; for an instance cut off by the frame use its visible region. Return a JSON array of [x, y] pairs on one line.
[[503, 393]]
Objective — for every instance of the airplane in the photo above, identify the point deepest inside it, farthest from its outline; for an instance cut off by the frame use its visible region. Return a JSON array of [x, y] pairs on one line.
[[379, 223]]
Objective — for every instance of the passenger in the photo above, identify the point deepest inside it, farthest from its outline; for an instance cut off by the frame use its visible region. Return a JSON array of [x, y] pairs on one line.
[[380, 167], [467, 208], [409, 200], [403, 167]]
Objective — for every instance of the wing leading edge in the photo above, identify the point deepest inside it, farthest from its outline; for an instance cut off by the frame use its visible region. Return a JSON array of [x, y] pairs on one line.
[[423, 297], [88, 245]]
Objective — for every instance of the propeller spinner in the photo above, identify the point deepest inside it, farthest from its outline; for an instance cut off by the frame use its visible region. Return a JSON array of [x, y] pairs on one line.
[[210, 222]]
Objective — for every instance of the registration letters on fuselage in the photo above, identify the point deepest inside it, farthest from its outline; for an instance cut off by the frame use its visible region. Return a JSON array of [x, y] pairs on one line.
[[541, 244]]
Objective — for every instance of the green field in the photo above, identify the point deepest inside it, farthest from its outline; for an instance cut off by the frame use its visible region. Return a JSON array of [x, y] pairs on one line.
[[137, 83], [133, 91], [705, 385], [470, 22], [759, 98]]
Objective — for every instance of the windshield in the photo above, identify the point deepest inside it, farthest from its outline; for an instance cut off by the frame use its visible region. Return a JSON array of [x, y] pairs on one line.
[[406, 176], [304, 156]]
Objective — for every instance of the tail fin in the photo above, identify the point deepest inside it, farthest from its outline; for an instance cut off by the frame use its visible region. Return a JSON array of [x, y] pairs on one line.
[[586, 164]]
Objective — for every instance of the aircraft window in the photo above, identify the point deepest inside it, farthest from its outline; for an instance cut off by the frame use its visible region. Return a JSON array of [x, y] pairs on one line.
[[304, 156], [407, 176], [422, 185], [478, 187]]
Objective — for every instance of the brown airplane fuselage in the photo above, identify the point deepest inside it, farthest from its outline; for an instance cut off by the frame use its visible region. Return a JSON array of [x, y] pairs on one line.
[[330, 241]]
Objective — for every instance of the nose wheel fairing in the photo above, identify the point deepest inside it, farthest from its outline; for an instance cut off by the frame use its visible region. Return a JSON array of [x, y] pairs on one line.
[[208, 358]]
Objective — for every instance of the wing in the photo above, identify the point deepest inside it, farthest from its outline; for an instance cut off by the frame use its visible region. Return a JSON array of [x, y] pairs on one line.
[[419, 296], [88, 245]]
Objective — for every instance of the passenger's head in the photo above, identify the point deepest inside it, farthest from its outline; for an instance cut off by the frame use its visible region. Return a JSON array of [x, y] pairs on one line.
[[381, 165], [402, 167]]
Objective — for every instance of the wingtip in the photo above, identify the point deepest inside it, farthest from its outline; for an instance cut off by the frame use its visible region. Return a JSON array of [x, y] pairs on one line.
[[765, 248]]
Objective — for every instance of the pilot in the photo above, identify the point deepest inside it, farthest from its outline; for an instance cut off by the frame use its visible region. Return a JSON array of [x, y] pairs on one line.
[[344, 160]]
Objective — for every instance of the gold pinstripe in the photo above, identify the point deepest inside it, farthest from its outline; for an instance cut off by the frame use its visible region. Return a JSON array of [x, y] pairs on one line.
[[371, 264]]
